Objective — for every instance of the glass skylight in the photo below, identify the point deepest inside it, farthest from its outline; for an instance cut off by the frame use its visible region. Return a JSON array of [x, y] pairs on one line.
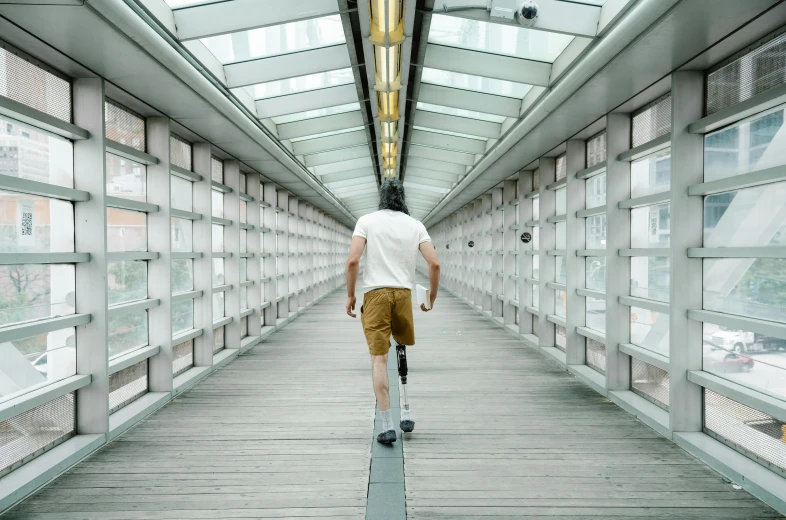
[[302, 83], [174, 4], [446, 132], [319, 112], [460, 112], [476, 83], [277, 39], [496, 38], [326, 134]]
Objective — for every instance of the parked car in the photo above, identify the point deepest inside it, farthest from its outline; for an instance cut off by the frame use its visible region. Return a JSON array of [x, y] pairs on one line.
[[720, 360]]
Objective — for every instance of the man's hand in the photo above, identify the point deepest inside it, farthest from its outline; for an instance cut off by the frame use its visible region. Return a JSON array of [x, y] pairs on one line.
[[351, 306], [433, 298]]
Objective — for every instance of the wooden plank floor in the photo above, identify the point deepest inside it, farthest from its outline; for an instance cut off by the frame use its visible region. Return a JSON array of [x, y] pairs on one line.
[[283, 432], [503, 433]]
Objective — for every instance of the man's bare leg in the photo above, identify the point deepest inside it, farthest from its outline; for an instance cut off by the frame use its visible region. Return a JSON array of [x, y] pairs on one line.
[[379, 370]]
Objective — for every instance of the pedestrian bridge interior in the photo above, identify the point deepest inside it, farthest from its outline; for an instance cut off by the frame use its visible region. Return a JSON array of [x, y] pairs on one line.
[[604, 182]]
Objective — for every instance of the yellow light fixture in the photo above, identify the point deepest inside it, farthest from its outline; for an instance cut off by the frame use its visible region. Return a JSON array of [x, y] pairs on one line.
[[387, 68], [387, 106], [389, 150], [389, 162], [389, 131], [389, 174], [386, 30]]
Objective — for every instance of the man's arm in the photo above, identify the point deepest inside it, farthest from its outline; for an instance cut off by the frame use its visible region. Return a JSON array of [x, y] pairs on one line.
[[430, 255], [353, 265]]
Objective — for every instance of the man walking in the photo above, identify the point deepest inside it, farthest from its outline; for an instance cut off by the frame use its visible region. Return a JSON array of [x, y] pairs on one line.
[[391, 239]]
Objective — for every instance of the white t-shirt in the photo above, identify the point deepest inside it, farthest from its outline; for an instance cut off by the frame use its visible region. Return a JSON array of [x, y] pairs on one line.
[[392, 242]]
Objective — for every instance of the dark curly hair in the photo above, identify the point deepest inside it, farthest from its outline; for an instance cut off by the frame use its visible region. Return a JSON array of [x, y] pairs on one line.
[[391, 196]]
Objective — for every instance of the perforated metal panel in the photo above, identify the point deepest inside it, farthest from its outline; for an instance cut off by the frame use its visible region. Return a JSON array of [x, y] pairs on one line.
[[127, 386], [562, 167], [33, 86], [218, 340], [180, 152], [217, 170], [596, 355], [124, 126], [182, 357], [650, 382], [29, 434], [747, 76], [560, 340], [652, 121], [596, 149], [754, 433]]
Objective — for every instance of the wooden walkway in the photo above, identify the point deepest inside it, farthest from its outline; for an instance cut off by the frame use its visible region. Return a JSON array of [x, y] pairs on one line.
[[286, 432]]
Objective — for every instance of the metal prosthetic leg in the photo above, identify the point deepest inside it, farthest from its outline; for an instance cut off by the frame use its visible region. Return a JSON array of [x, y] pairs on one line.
[[407, 424]]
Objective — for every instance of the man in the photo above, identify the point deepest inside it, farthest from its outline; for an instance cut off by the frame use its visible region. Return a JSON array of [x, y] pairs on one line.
[[391, 239]]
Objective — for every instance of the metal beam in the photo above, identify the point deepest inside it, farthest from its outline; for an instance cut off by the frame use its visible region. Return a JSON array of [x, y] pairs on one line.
[[345, 154], [431, 174], [430, 182], [346, 175], [437, 166], [241, 15], [448, 142], [319, 125], [553, 16], [462, 125], [412, 185], [303, 101], [468, 100], [330, 142], [442, 155], [351, 164], [487, 65], [368, 182], [286, 66]]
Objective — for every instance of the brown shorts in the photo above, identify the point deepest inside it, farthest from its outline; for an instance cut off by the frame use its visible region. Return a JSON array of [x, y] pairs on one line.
[[384, 312]]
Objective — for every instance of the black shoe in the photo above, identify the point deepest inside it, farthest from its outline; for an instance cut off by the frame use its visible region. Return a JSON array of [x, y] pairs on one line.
[[387, 437], [407, 425]]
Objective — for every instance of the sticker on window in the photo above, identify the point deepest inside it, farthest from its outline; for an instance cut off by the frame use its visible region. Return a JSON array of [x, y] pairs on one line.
[[26, 223]]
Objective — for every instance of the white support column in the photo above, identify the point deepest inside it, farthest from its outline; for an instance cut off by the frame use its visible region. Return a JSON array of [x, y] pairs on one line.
[[282, 253], [524, 259], [311, 249], [203, 267], [548, 241], [292, 274], [618, 140], [269, 288], [497, 246], [687, 163], [486, 251], [477, 253], [232, 305], [254, 248], [92, 353], [575, 240], [159, 271], [509, 246]]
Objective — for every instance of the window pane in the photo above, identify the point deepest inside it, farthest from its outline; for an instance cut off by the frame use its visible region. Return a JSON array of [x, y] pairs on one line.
[[218, 339], [596, 314], [305, 83], [218, 238], [29, 154], [318, 112], [562, 235], [596, 273], [218, 204], [127, 281], [747, 358], [560, 339], [536, 267], [34, 291], [475, 83], [747, 217], [125, 178], [560, 303], [460, 112], [754, 144], [218, 305], [536, 208], [30, 224], [535, 238], [561, 268], [36, 361], [218, 272], [650, 226], [126, 230], [535, 296], [182, 194], [244, 269], [243, 211], [182, 235], [652, 174], [243, 240], [182, 316], [127, 332], [754, 287], [596, 231], [243, 298], [650, 277], [562, 202], [182, 275], [650, 330], [596, 190]]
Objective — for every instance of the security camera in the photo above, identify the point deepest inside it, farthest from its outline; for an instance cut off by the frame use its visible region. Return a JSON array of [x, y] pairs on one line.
[[527, 13]]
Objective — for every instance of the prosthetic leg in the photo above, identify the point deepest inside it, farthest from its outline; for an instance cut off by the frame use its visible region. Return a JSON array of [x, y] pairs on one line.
[[407, 424]]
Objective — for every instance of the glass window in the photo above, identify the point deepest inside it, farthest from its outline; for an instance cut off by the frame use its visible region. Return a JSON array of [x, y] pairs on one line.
[[30, 224], [560, 303], [125, 178], [218, 238], [536, 267], [596, 191], [596, 231], [754, 287], [650, 277], [318, 112], [535, 239], [536, 208], [218, 305], [243, 240], [305, 83], [218, 339], [218, 272], [182, 316], [243, 298], [460, 112], [596, 314], [650, 175], [182, 194], [596, 273], [477, 83], [182, 275], [650, 226], [562, 235], [126, 230], [746, 218], [35, 291], [535, 296], [243, 211], [182, 235], [218, 204], [127, 281], [650, 330], [561, 268], [751, 145], [244, 269], [33, 155], [127, 332], [560, 338], [562, 201]]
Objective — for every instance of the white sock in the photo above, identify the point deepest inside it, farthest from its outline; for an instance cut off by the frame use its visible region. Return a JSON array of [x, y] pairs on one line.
[[387, 420], [406, 415]]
